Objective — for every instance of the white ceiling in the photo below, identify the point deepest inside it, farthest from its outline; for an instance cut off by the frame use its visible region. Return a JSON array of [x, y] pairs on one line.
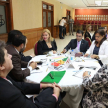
[[85, 4]]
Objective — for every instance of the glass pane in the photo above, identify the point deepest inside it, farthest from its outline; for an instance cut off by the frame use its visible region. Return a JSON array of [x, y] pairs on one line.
[[49, 19], [44, 19], [50, 7], [44, 6], [2, 20]]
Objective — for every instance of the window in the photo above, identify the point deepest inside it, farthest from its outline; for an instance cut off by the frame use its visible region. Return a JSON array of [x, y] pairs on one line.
[[6, 16], [3, 28]]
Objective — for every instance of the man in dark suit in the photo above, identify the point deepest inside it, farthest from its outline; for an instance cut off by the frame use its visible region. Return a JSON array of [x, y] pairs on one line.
[[12, 94], [18, 45], [11, 35], [78, 43]]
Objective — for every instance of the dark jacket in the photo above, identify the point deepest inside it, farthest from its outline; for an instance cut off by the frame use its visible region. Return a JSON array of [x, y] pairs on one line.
[[43, 48], [73, 44], [93, 37], [25, 58], [17, 73], [87, 34], [13, 95]]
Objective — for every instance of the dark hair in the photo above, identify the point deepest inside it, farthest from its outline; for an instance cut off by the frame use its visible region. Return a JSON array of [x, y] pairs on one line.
[[2, 54], [11, 35], [18, 40], [80, 32], [102, 33]]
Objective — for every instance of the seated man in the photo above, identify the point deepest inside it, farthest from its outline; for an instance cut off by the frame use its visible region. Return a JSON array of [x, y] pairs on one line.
[[81, 44], [11, 34], [18, 45], [12, 94]]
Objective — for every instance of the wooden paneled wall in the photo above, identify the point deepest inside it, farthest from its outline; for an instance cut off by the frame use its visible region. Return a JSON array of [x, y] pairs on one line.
[[33, 35]]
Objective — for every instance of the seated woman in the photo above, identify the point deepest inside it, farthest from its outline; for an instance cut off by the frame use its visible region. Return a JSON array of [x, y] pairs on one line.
[[99, 48], [46, 43], [88, 32], [97, 95]]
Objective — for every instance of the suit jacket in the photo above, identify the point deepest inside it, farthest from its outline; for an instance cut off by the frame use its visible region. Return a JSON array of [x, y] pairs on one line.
[[43, 48], [103, 51], [87, 34], [13, 95], [73, 44], [25, 58], [17, 73]]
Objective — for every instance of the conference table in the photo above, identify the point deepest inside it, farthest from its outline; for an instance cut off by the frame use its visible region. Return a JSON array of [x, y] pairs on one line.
[[72, 81]]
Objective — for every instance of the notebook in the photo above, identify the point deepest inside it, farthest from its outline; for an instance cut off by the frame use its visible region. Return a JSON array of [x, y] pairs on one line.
[[57, 76]]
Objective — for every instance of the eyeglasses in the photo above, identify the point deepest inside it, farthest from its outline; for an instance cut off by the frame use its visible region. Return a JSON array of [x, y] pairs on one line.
[[97, 36], [79, 36]]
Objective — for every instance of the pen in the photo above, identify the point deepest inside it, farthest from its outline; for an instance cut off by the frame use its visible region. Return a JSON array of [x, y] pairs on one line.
[[51, 76], [47, 69]]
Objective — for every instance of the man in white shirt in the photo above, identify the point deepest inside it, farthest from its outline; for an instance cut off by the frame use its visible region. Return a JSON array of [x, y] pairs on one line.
[[61, 25]]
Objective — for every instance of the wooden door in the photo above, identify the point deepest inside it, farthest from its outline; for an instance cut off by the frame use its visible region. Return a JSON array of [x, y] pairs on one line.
[[48, 17]]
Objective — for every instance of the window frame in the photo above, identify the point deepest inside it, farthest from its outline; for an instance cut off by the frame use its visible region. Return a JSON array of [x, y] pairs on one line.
[[9, 15]]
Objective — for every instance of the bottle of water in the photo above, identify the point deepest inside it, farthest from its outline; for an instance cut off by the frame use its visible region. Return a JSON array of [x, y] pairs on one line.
[[72, 53]]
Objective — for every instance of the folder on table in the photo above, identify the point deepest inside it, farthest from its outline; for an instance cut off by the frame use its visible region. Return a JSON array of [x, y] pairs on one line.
[[57, 76]]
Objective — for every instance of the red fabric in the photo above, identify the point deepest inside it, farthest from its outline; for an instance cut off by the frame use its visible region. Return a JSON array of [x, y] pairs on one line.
[[89, 42], [36, 52]]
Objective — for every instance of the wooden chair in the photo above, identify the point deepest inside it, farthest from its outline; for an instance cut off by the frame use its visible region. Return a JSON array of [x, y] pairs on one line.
[[89, 40], [35, 48]]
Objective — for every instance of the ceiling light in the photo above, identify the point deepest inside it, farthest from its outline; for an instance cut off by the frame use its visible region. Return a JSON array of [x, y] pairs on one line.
[[98, 3], [105, 1]]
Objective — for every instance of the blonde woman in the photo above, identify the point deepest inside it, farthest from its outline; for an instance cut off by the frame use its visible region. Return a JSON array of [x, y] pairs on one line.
[[88, 32], [46, 43]]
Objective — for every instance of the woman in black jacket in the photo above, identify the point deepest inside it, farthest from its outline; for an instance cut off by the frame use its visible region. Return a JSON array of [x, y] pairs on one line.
[[88, 32], [46, 43]]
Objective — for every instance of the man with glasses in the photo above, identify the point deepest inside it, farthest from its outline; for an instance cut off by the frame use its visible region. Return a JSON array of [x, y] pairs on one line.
[[79, 43]]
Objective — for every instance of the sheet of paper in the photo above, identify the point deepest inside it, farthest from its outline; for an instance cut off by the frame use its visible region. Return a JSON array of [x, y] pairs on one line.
[[79, 73]]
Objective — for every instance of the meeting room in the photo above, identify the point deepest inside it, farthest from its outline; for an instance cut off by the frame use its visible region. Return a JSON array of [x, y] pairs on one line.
[[53, 54]]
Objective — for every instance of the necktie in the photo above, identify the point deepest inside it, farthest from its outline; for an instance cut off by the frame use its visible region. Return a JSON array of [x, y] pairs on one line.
[[78, 45]]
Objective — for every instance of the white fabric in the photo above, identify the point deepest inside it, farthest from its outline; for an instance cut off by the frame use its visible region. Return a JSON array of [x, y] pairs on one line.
[[103, 51], [69, 83], [30, 68], [79, 45], [62, 22]]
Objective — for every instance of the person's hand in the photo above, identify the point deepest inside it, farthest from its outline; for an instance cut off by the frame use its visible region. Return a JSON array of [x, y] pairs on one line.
[[86, 74], [57, 85], [80, 53], [33, 65], [86, 55], [64, 50], [54, 52], [32, 55], [56, 91], [94, 56], [45, 85]]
